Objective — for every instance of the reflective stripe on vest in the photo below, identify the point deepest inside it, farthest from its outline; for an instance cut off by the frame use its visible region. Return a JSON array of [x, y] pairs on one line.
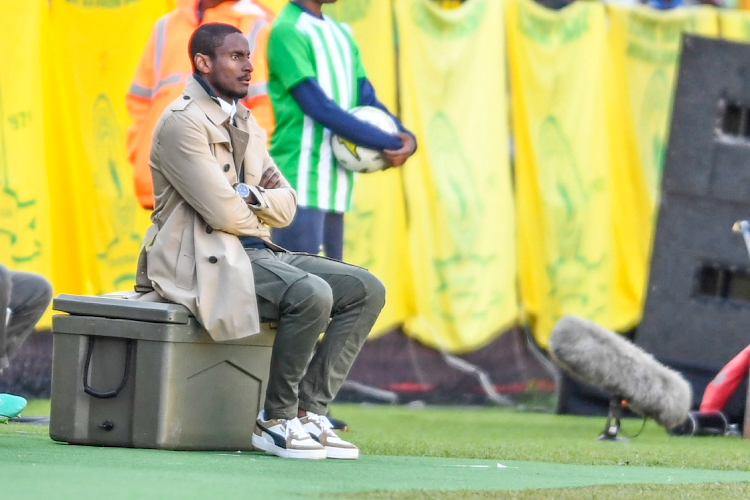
[[159, 46], [256, 89], [150, 92], [253, 34]]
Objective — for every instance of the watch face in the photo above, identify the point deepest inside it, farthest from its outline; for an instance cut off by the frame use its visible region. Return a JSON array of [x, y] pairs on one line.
[[242, 190]]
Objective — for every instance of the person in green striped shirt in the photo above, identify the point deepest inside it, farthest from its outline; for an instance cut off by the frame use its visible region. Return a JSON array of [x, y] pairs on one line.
[[315, 76]]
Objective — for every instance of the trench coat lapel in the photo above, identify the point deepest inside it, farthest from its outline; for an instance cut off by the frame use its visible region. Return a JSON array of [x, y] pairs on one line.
[[240, 140], [213, 110]]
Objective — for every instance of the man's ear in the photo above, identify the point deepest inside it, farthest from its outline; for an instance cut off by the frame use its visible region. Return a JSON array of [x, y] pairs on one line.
[[202, 63]]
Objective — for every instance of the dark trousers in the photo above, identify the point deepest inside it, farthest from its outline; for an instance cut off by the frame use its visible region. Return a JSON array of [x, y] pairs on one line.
[[25, 296], [301, 293], [312, 229]]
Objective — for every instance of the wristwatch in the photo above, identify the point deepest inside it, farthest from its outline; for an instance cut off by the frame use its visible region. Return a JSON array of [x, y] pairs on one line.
[[242, 189], [244, 192]]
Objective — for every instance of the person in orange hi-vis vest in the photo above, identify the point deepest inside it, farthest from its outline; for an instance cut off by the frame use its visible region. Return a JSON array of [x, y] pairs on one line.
[[164, 68]]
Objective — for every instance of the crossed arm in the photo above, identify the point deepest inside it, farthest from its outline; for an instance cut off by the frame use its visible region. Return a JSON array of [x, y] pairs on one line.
[[275, 200], [183, 156]]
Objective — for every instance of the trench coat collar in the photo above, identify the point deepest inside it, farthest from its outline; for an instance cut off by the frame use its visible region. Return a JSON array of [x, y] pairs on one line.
[[213, 109]]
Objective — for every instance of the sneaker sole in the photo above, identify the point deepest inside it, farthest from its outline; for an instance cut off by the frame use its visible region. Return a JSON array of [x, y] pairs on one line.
[[262, 444], [342, 453]]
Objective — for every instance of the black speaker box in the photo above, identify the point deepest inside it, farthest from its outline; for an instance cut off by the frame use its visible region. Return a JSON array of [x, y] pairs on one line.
[[697, 310]]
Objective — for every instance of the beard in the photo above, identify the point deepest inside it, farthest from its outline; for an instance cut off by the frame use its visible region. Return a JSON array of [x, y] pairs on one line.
[[225, 91]]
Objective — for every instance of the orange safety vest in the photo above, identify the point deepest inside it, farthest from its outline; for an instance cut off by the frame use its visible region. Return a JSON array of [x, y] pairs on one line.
[[165, 66]]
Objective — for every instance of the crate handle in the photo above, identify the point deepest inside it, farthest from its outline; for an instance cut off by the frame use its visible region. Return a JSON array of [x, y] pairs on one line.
[[110, 394]]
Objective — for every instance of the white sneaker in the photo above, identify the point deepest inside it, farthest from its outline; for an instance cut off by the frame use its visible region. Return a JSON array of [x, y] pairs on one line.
[[320, 428], [285, 438]]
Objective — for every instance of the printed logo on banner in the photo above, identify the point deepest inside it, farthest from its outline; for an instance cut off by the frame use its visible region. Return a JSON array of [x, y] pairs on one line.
[[468, 286], [652, 128], [568, 201], [349, 11], [654, 45], [425, 18], [657, 41], [17, 212], [119, 254], [547, 30]]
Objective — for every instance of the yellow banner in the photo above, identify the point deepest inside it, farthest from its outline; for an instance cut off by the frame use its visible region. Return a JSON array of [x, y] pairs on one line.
[[24, 197], [644, 48], [375, 228], [458, 188], [375, 238], [97, 221], [25, 238], [734, 25], [632, 212], [566, 244], [645, 51]]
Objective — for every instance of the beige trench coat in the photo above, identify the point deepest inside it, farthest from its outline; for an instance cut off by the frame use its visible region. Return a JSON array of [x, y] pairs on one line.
[[191, 254]]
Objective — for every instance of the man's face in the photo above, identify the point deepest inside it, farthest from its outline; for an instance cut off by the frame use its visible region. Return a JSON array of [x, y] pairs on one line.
[[229, 72]]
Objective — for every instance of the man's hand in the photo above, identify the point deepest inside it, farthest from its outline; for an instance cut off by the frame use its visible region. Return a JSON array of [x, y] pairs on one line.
[[271, 178], [397, 157]]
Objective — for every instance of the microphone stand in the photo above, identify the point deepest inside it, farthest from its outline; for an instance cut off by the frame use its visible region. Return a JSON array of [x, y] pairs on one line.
[[612, 427]]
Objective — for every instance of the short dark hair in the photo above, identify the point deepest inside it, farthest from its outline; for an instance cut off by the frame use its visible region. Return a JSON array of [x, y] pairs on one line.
[[207, 38]]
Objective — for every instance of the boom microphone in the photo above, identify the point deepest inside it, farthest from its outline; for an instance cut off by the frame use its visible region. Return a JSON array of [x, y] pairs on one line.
[[603, 359]]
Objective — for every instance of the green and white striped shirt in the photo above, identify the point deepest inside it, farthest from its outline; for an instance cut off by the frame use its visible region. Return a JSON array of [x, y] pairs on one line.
[[301, 46]]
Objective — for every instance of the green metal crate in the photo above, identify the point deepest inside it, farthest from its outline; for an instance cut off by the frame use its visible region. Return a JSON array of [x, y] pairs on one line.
[[147, 375]]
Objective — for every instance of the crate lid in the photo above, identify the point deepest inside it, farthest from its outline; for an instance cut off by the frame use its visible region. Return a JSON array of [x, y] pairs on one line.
[[121, 308]]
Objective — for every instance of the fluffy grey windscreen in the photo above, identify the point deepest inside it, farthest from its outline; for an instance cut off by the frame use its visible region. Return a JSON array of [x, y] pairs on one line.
[[605, 360]]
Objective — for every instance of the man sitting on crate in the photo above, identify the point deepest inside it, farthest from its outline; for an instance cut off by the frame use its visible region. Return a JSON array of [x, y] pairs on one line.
[[209, 250]]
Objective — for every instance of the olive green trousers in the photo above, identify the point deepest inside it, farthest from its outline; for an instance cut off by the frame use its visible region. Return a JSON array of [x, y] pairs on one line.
[[23, 299], [301, 293]]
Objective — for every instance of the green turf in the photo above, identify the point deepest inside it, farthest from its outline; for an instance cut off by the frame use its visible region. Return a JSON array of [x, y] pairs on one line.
[[546, 456], [37, 407], [82, 473], [502, 433], [736, 491]]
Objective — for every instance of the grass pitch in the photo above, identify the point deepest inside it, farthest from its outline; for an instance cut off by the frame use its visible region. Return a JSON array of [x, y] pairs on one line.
[[442, 454], [506, 434]]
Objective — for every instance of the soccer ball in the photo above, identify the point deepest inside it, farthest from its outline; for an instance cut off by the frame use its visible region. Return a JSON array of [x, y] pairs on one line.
[[356, 158]]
